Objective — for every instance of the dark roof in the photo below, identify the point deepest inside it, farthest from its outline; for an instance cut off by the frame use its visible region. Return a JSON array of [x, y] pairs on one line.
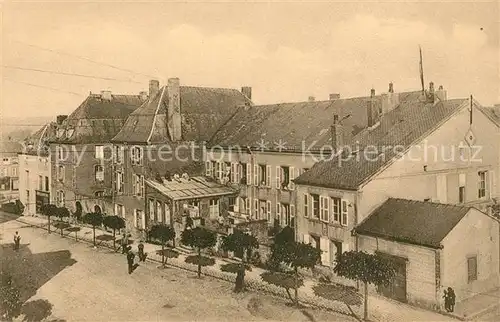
[[400, 128], [97, 120], [10, 148], [293, 123], [37, 143], [415, 222], [493, 113], [192, 188], [204, 110]]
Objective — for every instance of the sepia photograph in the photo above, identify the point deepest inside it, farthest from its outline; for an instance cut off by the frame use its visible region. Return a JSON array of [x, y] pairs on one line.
[[275, 160]]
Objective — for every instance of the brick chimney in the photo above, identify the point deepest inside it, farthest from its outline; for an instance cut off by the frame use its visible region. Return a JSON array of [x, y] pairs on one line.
[[440, 95], [389, 100], [337, 133], [391, 87], [106, 95], [370, 110], [247, 91], [154, 87], [60, 119], [334, 96], [143, 95], [311, 99], [174, 118]]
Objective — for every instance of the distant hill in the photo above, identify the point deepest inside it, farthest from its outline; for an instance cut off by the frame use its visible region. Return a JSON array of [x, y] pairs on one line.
[[18, 128]]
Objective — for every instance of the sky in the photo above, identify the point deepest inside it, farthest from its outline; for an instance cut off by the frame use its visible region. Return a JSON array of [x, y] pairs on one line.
[[286, 51]]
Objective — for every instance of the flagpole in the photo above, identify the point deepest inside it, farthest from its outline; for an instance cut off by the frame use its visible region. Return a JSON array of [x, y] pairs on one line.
[[421, 70]]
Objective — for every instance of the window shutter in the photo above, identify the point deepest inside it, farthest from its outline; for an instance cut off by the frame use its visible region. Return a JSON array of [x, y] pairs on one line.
[[268, 176], [306, 205], [167, 214], [268, 210], [278, 182], [488, 184], [292, 211], [143, 219], [135, 218], [248, 206], [256, 175], [292, 176], [207, 168], [344, 216], [249, 174], [311, 203], [493, 184], [306, 239], [256, 208], [278, 212]]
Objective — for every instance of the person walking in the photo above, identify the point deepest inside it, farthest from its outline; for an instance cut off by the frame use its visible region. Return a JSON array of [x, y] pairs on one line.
[[140, 251], [17, 241], [130, 261], [446, 298], [451, 296]]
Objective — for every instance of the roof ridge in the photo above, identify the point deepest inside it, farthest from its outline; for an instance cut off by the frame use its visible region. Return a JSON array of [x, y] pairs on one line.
[[432, 202]]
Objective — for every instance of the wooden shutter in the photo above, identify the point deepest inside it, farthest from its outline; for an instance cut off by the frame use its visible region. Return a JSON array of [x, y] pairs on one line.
[[488, 184], [249, 174], [248, 206], [344, 216], [268, 176], [278, 212], [493, 184], [277, 176], [305, 200], [268, 210], [135, 218], [256, 175], [292, 176], [256, 208], [208, 164]]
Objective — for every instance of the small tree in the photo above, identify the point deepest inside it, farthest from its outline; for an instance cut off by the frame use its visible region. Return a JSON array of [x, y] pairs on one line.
[[49, 210], [94, 219], [115, 223], [200, 238], [61, 213], [239, 242], [367, 268], [163, 233]]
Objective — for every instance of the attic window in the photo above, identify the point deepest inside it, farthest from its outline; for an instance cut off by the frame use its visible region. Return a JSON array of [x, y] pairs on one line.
[[70, 133], [60, 133]]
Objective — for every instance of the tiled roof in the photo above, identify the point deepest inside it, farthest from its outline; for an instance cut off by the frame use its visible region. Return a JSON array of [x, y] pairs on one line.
[[493, 113], [37, 143], [204, 110], [192, 188], [293, 123], [97, 120], [415, 222], [400, 128], [10, 148]]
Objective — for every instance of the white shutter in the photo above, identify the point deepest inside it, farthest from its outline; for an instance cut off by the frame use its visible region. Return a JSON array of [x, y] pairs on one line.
[[238, 172], [123, 212], [256, 176], [268, 210], [248, 206], [233, 173], [143, 219], [278, 212], [488, 184], [306, 239], [325, 251], [277, 176], [268, 176], [207, 168], [249, 174], [441, 188], [236, 207], [292, 176], [311, 202], [167, 214], [493, 184], [135, 218], [292, 211], [344, 216], [256, 208]]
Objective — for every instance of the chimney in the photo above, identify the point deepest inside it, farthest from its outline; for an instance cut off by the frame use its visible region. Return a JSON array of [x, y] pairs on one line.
[[106, 95], [154, 87], [337, 133], [370, 109], [334, 96], [430, 94], [247, 91], [391, 87], [372, 93], [174, 109], [440, 94], [143, 95], [60, 119], [311, 99]]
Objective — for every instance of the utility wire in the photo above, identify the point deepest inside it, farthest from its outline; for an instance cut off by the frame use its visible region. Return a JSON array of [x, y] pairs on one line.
[[69, 74], [41, 86], [83, 58]]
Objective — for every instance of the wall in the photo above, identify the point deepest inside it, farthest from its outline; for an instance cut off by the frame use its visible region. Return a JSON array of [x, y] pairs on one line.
[[37, 166], [406, 177], [420, 268], [475, 235]]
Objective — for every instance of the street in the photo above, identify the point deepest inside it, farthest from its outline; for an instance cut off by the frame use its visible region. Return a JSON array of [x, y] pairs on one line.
[[86, 284]]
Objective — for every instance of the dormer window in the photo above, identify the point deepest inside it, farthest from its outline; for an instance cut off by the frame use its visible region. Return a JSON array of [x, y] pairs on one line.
[[60, 133], [70, 133]]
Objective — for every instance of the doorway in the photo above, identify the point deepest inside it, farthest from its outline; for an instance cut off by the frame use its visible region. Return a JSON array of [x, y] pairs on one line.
[[396, 289]]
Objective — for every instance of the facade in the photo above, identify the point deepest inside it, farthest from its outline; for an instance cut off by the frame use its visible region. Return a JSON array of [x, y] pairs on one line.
[[35, 170], [165, 137], [81, 152], [9, 171], [433, 246], [426, 149]]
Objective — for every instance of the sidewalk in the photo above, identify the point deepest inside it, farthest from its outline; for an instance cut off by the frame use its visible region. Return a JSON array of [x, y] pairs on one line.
[[380, 309]]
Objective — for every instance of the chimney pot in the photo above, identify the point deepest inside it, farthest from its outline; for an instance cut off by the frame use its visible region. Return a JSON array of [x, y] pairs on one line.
[[154, 87], [311, 99], [372, 93], [247, 91], [60, 119], [334, 96], [106, 95], [391, 87], [440, 87]]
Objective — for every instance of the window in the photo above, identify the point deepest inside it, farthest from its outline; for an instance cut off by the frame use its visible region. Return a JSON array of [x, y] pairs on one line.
[[14, 172], [278, 212], [482, 184], [167, 214], [262, 175], [40, 182], [119, 152], [262, 209], [235, 172], [99, 152], [336, 203], [151, 210], [136, 155], [243, 173], [119, 182], [232, 203], [61, 155], [27, 197], [46, 183], [99, 193], [324, 209], [249, 174], [248, 207], [471, 269], [139, 219], [287, 212], [218, 170], [159, 211], [138, 185], [209, 171], [306, 205], [60, 198], [315, 206], [119, 210], [268, 211], [344, 215], [99, 172], [256, 208], [461, 188], [283, 177], [226, 169], [214, 208], [60, 173]]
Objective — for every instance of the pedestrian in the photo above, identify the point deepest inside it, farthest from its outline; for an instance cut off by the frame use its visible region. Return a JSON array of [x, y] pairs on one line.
[[130, 261], [446, 298], [140, 250], [451, 296], [17, 241], [124, 243]]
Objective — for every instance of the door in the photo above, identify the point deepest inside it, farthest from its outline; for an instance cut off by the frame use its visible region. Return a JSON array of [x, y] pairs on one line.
[[396, 289]]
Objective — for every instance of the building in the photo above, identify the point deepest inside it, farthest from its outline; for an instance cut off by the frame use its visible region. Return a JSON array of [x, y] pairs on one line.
[[35, 170], [9, 170], [433, 246], [81, 152], [263, 148], [165, 137], [428, 148]]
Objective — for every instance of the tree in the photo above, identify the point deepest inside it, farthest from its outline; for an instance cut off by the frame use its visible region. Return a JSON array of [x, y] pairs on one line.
[[10, 298], [337, 292], [61, 213], [200, 238], [49, 210], [94, 219], [367, 268], [239, 242], [115, 223], [163, 233]]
